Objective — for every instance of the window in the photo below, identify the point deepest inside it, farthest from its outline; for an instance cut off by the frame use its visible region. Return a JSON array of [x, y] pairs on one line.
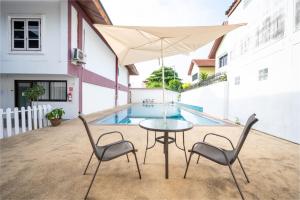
[[223, 60], [25, 34], [263, 74], [54, 90], [237, 80], [195, 76]]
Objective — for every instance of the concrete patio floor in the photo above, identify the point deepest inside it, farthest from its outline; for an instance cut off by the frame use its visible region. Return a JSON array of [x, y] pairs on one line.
[[48, 164]]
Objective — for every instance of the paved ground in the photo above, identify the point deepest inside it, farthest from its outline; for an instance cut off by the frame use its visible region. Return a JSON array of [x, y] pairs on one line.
[[48, 164]]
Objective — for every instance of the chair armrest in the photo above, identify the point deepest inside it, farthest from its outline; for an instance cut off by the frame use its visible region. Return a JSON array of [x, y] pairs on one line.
[[221, 136], [109, 133], [217, 148]]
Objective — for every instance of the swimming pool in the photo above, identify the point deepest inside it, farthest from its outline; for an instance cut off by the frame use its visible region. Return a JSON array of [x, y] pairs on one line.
[[138, 112]]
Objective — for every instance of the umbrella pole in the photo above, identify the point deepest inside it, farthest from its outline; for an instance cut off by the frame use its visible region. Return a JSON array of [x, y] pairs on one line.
[[163, 78], [163, 71]]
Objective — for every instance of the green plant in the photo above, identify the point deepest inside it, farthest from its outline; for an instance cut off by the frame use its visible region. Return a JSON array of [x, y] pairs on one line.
[[34, 92], [223, 77], [175, 85], [56, 113], [203, 76], [186, 86]]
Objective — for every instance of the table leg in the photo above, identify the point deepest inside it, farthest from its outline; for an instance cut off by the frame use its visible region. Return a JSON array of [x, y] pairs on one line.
[[166, 150]]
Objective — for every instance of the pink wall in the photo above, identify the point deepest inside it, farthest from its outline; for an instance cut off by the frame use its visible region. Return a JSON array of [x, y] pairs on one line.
[[85, 75]]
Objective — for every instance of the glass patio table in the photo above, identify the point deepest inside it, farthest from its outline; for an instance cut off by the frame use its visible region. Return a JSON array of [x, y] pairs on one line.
[[166, 126]]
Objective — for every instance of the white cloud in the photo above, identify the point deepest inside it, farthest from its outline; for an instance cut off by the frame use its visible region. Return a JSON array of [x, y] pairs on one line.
[[167, 13]]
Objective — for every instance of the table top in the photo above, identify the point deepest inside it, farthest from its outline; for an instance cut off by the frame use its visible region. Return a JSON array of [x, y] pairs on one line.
[[166, 125]]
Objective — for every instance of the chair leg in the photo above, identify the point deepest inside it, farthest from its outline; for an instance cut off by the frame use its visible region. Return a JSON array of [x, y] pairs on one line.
[[198, 159], [137, 164], [243, 170], [236, 183], [127, 157], [88, 164], [92, 180], [188, 163]]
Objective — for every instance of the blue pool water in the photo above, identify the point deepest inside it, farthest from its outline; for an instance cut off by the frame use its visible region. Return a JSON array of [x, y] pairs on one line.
[[138, 112]]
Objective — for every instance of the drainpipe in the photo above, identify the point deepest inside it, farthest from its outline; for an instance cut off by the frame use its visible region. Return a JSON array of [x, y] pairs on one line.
[[116, 86]]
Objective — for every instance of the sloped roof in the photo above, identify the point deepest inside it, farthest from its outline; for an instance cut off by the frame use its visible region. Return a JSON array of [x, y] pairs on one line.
[[132, 69], [201, 63], [95, 10], [232, 7]]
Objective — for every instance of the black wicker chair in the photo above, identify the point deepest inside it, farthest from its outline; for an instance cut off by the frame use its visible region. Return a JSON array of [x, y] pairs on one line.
[[109, 151], [222, 156]]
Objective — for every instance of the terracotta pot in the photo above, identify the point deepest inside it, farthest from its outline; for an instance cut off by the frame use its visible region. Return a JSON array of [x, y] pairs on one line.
[[55, 122]]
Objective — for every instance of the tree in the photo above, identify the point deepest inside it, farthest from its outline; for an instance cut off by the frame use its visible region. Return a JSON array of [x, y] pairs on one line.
[[174, 85], [34, 92], [155, 79]]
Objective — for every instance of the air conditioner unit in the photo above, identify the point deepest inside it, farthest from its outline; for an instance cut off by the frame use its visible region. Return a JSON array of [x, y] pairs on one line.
[[78, 56]]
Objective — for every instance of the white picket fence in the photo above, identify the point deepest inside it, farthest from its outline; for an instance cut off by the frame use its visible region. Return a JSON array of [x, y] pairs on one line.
[[16, 121]]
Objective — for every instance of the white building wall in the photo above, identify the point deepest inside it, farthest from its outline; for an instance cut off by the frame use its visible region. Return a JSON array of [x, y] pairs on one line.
[[74, 28], [53, 57], [138, 95], [276, 101], [122, 98], [99, 58], [123, 75], [96, 98], [213, 99], [7, 90]]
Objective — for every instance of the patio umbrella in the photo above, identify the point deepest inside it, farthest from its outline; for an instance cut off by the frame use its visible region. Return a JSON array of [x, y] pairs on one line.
[[133, 44]]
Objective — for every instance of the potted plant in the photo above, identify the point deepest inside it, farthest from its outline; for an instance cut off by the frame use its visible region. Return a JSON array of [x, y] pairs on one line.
[[33, 93], [55, 116]]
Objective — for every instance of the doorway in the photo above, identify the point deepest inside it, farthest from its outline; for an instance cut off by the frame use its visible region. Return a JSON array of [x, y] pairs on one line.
[[20, 88]]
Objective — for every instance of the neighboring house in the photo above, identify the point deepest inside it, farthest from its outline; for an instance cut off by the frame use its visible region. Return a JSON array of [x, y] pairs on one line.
[[37, 47], [201, 66], [262, 64]]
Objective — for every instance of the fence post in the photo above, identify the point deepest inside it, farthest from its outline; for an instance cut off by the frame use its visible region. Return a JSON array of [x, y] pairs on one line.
[[49, 108], [8, 122], [40, 116], [34, 117], [29, 122], [1, 123], [45, 123], [23, 119], [16, 118]]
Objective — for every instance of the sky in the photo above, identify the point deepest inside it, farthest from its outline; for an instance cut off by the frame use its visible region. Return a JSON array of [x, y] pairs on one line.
[[167, 13]]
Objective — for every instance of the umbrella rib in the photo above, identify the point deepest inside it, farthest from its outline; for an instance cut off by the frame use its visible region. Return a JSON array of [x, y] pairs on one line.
[[145, 44], [178, 42]]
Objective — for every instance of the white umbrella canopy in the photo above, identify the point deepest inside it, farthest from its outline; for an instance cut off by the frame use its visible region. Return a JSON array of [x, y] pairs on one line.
[[134, 44]]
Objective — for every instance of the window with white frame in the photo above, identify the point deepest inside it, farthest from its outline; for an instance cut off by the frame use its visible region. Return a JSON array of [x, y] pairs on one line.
[[26, 34], [237, 80], [263, 74]]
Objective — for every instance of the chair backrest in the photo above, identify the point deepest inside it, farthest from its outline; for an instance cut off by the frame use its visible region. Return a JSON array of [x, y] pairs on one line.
[[88, 133], [250, 122]]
